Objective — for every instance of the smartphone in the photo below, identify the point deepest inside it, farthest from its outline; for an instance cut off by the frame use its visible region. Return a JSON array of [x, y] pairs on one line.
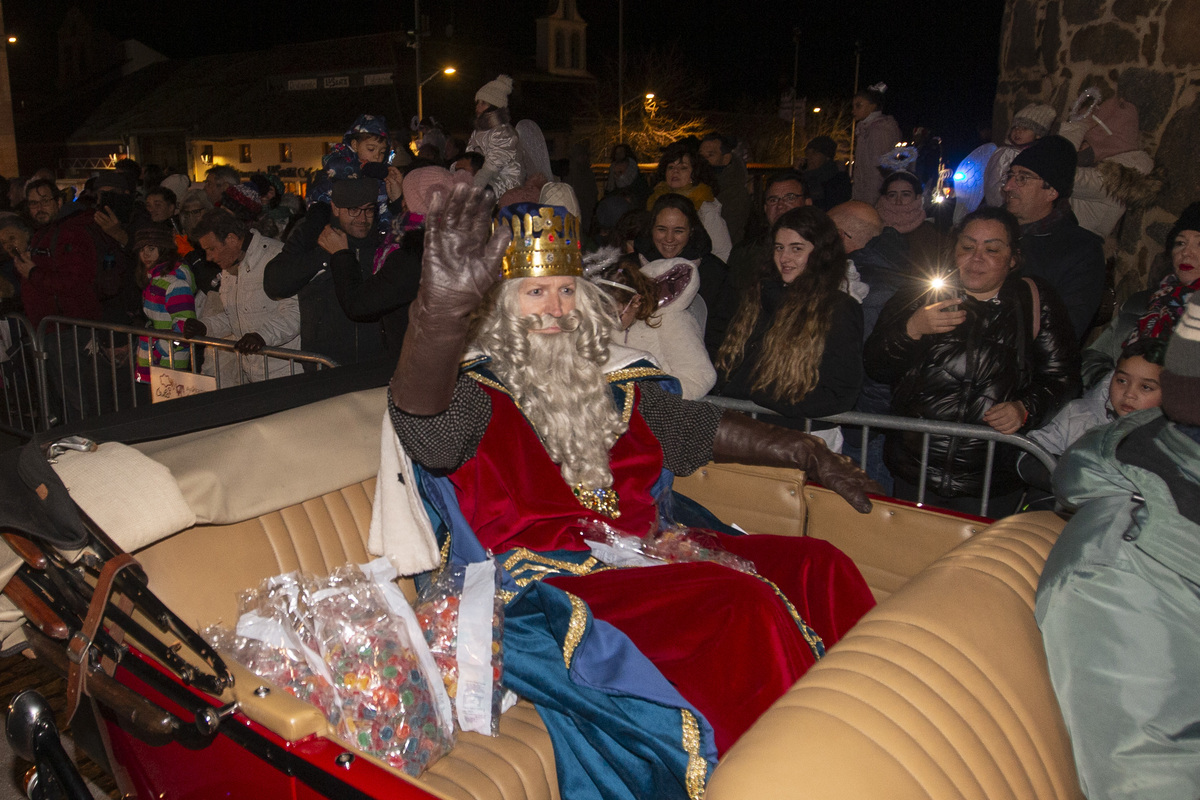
[[941, 288]]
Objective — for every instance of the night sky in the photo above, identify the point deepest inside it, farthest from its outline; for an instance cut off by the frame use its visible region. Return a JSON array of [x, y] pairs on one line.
[[939, 58]]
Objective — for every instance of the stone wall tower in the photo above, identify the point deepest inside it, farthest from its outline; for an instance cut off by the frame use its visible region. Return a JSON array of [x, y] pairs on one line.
[[1145, 51]]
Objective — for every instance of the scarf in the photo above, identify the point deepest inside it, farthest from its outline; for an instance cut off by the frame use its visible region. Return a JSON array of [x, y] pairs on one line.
[[905, 217], [698, 194], [391, 243], [1165, 308]]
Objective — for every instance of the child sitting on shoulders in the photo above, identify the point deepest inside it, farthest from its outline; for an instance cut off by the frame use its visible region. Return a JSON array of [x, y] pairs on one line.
[[365, 151], [1030, 124]]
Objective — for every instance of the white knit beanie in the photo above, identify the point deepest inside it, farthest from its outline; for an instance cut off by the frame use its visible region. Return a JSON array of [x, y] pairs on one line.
[[559, 194], [495, 93], [1037, 117]]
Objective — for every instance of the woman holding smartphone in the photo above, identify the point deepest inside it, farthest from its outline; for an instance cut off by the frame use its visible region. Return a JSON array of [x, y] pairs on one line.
[[1000, 353]]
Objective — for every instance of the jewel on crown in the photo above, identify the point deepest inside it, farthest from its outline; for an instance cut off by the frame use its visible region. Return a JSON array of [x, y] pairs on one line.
[[545, 242]]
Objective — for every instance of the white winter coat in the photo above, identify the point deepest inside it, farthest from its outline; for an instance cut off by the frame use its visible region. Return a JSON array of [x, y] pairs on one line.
[[245, 308], [1096, 205], [677, 343], [501, 158]]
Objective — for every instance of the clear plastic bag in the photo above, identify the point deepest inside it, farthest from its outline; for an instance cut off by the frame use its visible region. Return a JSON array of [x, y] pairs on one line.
[[462, 616], [286, 667], [387, 706], [669, 545]]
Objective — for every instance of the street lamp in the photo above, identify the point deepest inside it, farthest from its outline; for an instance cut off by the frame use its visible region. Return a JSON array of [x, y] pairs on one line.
[[421, 85]]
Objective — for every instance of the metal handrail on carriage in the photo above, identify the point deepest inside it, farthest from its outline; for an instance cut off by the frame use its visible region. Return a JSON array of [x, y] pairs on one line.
[[122, 377], [22, 410], [926, 427]]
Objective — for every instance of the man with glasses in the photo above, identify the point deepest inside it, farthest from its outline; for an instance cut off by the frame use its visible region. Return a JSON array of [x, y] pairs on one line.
[[346, 224], [785, 191], [1037, 190]]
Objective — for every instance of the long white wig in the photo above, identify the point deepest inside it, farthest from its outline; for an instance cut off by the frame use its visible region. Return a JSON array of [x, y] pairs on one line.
[[557, 380]]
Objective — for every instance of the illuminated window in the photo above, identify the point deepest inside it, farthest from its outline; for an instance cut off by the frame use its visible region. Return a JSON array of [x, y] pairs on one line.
[[244, 153], [285, 153]]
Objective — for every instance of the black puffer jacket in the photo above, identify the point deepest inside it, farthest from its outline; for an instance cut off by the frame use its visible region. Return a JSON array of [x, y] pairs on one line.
[[957, 376]]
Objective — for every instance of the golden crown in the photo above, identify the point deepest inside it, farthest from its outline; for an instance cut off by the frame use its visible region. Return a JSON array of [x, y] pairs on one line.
[[544, 243]]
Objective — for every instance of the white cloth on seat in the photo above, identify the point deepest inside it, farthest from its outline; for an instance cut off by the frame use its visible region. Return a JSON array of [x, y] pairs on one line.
[[133, 498], [400, 529]]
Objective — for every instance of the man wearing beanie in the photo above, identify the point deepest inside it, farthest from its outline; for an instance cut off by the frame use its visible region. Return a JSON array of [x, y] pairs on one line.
[[1031, 123], [1037, 190], [1119, 599], [495, 138], [347, 231]]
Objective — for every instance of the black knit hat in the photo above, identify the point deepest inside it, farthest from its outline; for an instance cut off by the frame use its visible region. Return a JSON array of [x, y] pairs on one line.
[[1189, 220], [1180, 378], [1053, 159]]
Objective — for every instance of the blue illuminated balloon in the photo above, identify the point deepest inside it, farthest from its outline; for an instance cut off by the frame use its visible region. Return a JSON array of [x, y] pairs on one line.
[[968, 180]]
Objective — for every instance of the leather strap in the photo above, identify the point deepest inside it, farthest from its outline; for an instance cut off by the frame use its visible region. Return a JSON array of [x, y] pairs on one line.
[[81, 642]]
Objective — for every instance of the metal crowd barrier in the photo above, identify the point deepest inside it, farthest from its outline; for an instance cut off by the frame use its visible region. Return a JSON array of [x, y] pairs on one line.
[[927, 427], [76, 369], [22, 410]]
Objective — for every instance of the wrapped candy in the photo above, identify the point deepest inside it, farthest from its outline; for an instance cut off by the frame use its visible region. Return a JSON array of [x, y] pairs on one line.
[[350, 645], [388, 709], [300, 675], [462, 616], [671, 544]]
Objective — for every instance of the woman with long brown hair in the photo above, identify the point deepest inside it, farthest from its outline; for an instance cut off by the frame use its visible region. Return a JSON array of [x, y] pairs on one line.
[[795, 343]]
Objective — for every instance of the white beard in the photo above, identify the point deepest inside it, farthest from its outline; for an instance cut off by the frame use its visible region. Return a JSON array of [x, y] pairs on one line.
[[564, 395]]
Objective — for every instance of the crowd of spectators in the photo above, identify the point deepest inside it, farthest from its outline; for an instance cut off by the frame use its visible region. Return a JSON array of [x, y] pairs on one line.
[[812, 291]]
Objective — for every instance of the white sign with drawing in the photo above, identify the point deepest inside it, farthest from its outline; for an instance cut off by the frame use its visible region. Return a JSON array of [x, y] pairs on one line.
[[168, 384]]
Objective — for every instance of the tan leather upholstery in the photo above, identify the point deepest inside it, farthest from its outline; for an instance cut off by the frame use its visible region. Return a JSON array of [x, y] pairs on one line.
[[940, 692], [958, 707], [756, 499], [199, 573], [892, 543]]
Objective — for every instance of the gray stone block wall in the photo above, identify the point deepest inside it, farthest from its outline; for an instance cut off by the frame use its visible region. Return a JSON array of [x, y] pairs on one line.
[[1148, 52]]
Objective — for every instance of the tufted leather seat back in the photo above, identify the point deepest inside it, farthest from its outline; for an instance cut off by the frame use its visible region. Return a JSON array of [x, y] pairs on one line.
[[939, 692]]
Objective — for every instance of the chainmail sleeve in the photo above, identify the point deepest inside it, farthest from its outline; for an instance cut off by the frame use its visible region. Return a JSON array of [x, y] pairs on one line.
[[684, 428], [445, 441]]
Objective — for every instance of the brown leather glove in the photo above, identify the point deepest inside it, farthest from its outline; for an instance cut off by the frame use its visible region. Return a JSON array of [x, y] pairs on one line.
[[460, 264], [743, 440]]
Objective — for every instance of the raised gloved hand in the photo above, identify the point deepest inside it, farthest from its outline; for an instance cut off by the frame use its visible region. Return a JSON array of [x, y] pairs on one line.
[[460, 264], [743, 440]]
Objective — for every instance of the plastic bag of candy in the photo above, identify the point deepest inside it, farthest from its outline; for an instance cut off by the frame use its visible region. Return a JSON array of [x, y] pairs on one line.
[[387, 705], [280, 658], [274, 641], [671, 544], [462, 615]]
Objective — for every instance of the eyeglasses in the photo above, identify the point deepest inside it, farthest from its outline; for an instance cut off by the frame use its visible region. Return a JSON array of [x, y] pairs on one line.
[[790, 197], [360, 211], [1020, 178]]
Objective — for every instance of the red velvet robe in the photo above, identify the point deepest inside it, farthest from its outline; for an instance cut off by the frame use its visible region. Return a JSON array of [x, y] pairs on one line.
[[725, 639]]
